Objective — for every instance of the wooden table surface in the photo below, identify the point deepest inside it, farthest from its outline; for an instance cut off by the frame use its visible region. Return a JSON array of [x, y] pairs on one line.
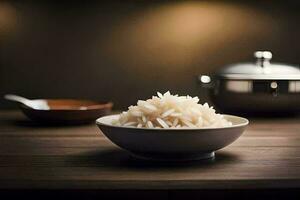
[[34, 156]]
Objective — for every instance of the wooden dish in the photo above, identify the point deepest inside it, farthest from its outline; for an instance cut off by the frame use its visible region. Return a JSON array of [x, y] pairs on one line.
[[67, 111]]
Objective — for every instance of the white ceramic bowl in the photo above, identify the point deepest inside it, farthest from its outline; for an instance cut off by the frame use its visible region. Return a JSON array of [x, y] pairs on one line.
[[172, 144]]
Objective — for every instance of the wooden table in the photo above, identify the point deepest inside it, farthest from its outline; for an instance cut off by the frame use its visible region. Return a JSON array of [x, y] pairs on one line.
[[79, 158]]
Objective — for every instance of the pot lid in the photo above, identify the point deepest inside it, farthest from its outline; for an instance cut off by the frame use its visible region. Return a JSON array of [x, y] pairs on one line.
[[262, 69]]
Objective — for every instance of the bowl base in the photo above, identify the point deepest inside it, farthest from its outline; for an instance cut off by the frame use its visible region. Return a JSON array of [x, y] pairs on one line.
[[173, 157]]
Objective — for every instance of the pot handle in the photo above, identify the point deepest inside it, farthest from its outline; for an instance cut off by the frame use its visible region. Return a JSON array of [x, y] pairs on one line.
[[206, 81]]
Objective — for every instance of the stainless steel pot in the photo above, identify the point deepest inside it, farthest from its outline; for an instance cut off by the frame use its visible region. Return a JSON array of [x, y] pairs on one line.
[[255, 87]]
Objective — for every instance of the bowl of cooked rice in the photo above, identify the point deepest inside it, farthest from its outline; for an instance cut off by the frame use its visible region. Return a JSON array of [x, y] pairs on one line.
[[172, 128]]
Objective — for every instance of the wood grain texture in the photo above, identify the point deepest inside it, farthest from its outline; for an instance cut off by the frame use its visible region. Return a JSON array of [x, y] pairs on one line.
[[267, 156]]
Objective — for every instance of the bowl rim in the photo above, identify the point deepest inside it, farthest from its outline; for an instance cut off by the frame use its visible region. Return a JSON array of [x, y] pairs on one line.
[[245, 123]]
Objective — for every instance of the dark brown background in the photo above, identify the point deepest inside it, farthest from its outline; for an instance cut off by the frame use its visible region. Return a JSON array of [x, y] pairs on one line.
[[127, 50]]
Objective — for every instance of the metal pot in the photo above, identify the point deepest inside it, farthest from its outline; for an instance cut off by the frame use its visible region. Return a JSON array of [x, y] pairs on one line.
[[255, 87]]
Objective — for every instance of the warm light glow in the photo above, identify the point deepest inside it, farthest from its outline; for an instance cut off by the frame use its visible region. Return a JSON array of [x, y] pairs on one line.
[[8, 18], [175, 35]]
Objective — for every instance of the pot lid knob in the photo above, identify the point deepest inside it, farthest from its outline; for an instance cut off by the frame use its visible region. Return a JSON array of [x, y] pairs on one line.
[[263, 58]]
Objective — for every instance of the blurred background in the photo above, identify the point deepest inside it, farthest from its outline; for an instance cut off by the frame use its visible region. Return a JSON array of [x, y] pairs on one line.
[[127, 50]]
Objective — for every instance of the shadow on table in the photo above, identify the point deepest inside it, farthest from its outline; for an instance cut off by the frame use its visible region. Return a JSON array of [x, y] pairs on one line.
[[121, 159], [33, 124], [20, 120]]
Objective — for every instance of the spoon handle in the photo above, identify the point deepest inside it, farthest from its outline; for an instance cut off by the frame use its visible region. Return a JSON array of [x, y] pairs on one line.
[[16, 98]]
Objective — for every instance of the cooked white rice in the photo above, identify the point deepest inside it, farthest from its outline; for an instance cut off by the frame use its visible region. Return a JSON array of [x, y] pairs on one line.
[[171, 111]]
